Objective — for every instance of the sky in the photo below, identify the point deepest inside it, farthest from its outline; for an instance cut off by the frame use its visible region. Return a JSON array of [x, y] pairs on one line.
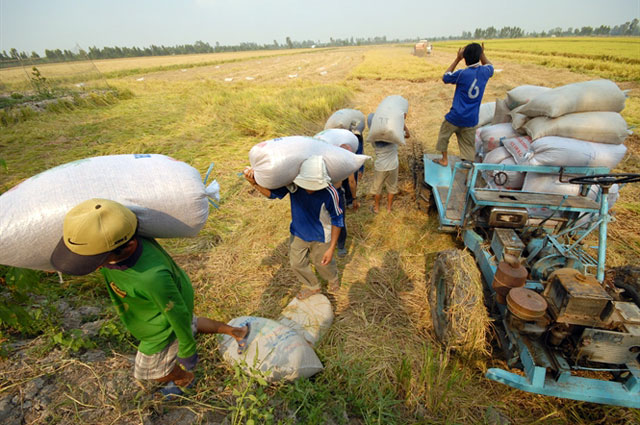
[[36, 25]]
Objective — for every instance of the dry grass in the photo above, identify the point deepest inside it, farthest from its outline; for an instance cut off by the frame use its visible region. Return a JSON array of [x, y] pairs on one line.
[[382, 362]]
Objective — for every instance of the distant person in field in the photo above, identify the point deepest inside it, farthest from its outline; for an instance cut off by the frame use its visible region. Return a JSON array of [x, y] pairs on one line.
[[316, 220], [151, 294], [462, 118], [385, 169]]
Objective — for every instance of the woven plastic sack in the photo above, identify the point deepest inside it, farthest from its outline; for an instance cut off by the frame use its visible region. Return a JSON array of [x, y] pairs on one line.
[[517, 119], [310, 317], [338, 137], [562, 151], [502, 112], [167, 196], [523, 94], [600, 127], [485, 116], [550, 183], [588, 96], [519, 148], [274, 349], [492, 135], [387, 124], [347, 119], [514, 179], [276, 162]]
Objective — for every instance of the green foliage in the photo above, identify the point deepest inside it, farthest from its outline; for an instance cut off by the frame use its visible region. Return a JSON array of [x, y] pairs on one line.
[[40, 84], [15, 284], [72, 340], [252, 402]]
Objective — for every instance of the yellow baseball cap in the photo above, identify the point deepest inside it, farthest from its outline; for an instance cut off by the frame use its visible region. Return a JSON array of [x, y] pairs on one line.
[[91, 230]]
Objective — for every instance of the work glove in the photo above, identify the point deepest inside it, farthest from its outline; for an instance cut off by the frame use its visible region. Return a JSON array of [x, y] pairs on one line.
[[188, 362]]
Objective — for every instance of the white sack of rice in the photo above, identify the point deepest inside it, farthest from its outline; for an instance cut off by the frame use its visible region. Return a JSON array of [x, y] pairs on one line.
[[501, 114], [338, 137], [310, 317], [485, 116], [387, 124], [522, 94], [513, 180], [273, 349], [276, 162], [587, 96], [347, 119], [600, 127], [565, 152], [167, 196]]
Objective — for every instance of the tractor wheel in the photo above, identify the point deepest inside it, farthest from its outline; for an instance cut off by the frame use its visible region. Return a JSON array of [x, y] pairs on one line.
[[456, 299], [424, 197], [628, 278]]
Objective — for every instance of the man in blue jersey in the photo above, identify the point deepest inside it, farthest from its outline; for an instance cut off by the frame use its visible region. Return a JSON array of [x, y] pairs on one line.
[[462, 118], [316, 220]]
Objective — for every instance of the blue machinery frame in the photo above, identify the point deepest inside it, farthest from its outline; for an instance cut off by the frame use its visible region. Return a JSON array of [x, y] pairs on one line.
[[625, 392]]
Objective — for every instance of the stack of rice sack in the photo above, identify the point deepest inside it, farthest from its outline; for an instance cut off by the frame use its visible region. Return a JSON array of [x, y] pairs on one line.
[[574, 125]]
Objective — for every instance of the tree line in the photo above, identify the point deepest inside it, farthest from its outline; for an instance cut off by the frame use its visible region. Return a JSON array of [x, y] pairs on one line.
[[16, 58]]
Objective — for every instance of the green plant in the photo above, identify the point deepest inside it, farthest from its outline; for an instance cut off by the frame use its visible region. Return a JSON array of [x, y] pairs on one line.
[[15, 283], [251, 398], [72, 340], [39, 82]]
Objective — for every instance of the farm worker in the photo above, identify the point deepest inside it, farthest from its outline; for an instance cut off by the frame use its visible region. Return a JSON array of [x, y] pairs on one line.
[[385, 169], [316, 220], [462, 118], [349, 185], [151, 294]]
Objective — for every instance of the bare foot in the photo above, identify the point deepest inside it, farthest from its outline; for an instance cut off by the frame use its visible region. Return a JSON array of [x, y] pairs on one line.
[[375, 209], [441, 161]]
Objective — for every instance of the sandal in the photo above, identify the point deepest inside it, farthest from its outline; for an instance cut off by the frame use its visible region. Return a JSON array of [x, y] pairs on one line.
[[306, 293], [244, 342]]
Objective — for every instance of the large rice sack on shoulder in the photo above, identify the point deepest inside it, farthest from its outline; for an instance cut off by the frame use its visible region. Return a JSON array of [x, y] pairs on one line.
[[600, 127], [348, 119], [511, 180], [562, 151], [338, 137], [587, 96], [274, 349], [501, 114], [485, 116], [492, 135], [387, 124], [311, 317], [167, 196], [523, 94], [276, 162]]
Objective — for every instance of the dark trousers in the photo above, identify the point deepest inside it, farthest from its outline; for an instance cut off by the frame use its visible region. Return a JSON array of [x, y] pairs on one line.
[[342, 239]]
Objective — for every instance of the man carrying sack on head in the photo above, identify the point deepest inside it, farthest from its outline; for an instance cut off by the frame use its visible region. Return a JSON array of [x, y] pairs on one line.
[[151, 294]]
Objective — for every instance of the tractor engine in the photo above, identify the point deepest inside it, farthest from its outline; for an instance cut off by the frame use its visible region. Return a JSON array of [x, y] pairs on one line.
[[576, 315]]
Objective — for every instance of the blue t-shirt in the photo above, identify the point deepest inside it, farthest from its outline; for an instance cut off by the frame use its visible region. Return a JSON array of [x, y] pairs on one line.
[[312, 214], [470, 83]]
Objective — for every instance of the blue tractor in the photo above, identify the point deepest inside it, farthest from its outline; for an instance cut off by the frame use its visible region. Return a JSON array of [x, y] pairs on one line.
[[568, 331]]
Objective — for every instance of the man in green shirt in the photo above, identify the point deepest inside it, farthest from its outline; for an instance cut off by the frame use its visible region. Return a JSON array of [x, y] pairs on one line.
[[152, 295]]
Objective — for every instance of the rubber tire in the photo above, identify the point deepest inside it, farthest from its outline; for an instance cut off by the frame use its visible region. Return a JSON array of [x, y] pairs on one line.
[[450, 284]]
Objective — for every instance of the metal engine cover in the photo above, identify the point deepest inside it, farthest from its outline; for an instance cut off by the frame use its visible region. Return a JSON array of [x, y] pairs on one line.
[[611, 347], [576, 299]]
